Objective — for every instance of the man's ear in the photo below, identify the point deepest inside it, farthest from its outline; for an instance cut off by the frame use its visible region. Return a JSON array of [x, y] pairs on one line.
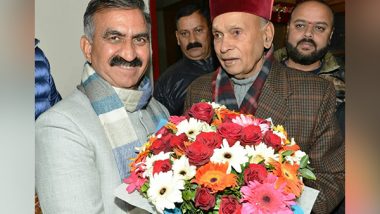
[[268, 35], [177, 36], [331, 34], [86, 47]]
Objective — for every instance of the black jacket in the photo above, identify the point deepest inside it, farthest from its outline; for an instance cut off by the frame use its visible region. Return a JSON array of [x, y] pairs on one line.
[[170, 88]]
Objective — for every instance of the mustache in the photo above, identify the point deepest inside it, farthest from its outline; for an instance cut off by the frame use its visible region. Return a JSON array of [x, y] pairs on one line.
[[118, 60], [307, 40], [193, 45]]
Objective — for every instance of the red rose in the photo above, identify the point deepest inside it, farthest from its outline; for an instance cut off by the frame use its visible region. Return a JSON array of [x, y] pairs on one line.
[[202, 111], [229, 205], [230, 131], [251, 135], [211, 139], [198, 153], [161, 166], [178, 141], [272, 140], [204, 199], [161, 144], [255, 172]]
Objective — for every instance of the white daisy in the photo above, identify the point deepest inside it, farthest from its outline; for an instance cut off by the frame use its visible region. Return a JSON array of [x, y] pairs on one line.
[[150, 161], [217, 105], [261, 152], [191, 127], [165, 190], [296, 157], [234, 155], [182, 168]]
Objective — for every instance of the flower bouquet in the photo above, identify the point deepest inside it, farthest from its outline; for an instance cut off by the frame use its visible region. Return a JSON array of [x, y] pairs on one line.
[[214, 160]]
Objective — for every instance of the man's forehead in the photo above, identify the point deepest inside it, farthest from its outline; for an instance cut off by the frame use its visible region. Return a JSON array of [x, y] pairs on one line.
[[312, 12], [193, 19]]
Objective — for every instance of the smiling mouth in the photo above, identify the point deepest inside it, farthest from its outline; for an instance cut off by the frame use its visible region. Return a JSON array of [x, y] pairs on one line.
[[125, 67]]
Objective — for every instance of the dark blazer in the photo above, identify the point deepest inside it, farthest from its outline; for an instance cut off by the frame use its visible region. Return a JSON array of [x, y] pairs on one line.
[[305, 104]]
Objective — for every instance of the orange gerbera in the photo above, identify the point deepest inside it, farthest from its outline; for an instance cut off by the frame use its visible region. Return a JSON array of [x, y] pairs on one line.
[[287, 174], [139, 158], [214, 177], [171, 126], [294, 148]]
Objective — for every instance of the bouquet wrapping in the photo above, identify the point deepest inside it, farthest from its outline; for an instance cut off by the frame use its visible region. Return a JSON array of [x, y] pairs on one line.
[[214, 160]]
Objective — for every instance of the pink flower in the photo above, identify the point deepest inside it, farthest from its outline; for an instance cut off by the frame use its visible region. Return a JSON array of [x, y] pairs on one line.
[[176, 119], [134, 182], [264, 198]]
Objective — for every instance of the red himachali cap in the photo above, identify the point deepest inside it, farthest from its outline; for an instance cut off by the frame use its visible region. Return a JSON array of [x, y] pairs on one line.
[[262, 8]]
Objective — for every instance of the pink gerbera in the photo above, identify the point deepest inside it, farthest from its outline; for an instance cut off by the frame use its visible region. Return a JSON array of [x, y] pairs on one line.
[[264, 198], [134, 181]]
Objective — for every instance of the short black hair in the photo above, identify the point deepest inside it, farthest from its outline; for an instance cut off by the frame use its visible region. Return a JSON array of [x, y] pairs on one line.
[[95, 6], [191, 8]]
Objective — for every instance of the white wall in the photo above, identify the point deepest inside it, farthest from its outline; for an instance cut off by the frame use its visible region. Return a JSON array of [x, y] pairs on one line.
[[59, 26]]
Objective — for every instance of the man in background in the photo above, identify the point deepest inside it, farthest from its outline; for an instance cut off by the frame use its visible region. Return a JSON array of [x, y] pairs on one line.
[[194, 38], [250, 81], [84, 143], [309, 33], [45, 92]]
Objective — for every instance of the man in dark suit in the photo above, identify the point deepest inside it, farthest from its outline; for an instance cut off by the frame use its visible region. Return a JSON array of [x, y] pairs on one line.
[[194, 38], [250, 81]]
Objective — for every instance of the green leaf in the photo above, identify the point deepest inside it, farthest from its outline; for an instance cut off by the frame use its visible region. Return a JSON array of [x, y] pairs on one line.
[[304, 161], [145, 187], [287, 153], [188, 195], [308, 174]]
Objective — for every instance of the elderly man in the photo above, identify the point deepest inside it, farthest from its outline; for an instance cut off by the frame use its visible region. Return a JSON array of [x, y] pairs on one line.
[[85, 142], [194, 38], [249, 81], [309, 33]]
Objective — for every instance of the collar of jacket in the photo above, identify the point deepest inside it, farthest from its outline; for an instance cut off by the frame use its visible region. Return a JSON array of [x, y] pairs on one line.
[[276, 91], [207, 64], [329, 63]]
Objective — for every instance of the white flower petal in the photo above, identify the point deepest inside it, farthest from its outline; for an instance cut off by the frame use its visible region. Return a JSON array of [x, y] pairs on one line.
[[235, 156]]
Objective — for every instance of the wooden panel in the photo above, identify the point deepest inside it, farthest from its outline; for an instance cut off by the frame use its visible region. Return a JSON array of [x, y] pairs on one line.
[[337, 5]]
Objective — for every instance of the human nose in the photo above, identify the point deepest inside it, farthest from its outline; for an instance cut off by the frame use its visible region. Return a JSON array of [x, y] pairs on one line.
[[309, 31], [191, 38], [225, 45], [128, 51]]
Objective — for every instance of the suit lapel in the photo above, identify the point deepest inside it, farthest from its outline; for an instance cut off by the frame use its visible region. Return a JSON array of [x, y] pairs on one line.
[[273, 100]]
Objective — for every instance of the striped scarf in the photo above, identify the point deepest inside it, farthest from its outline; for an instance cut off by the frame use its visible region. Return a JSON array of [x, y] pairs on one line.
[[223, 91], [112, 109]]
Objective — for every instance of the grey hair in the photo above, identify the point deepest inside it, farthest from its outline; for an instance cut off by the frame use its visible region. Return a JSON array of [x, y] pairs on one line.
[[263, 22], [95, 6]]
